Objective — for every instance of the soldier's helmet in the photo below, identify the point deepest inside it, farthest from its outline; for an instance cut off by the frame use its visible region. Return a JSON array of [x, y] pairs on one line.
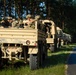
[[28, 16]]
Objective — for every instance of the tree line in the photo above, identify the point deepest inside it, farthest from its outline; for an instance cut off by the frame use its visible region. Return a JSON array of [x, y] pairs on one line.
[[62, 12]]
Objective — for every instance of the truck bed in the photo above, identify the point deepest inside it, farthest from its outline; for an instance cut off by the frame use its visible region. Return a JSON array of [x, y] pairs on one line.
[[15, 35]]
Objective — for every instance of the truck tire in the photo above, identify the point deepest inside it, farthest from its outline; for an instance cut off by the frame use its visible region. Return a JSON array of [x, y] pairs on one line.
[[33, 61]]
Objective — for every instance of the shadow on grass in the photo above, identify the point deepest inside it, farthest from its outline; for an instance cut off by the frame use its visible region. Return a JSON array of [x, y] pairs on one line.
[[55, 60], [50, 61], [13, 65], [64, 48], [61, 58]]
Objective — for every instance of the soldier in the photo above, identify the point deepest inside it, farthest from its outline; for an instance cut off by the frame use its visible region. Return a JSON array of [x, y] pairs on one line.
[[29, 20], [6, 22], [9, 20], [15, 24], [2, 23], [20, 23]]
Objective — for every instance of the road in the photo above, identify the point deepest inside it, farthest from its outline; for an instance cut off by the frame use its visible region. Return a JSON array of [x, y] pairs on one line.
[[71, 70]]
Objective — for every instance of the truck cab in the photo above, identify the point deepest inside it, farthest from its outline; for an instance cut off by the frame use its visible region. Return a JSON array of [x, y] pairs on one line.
[[51, 32]]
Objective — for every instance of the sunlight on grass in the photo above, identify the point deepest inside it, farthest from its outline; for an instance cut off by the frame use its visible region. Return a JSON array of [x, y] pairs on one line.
[[51, 70]]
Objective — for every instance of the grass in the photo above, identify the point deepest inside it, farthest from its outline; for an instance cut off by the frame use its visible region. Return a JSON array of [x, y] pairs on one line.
[[54, 64]]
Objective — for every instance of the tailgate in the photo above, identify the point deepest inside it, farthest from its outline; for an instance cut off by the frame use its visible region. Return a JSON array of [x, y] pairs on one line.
[[18, 35]]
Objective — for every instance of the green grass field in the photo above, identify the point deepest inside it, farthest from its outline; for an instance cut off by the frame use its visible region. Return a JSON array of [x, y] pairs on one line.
[[53, 65]]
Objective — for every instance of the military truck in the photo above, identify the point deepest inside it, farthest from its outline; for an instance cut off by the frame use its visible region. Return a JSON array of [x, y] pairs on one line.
[[67, 38], [60, 41], [51, 34], [27, 44], [63, 38]]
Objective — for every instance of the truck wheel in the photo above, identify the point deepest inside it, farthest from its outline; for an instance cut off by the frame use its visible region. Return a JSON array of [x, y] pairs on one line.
[[33, 61]]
